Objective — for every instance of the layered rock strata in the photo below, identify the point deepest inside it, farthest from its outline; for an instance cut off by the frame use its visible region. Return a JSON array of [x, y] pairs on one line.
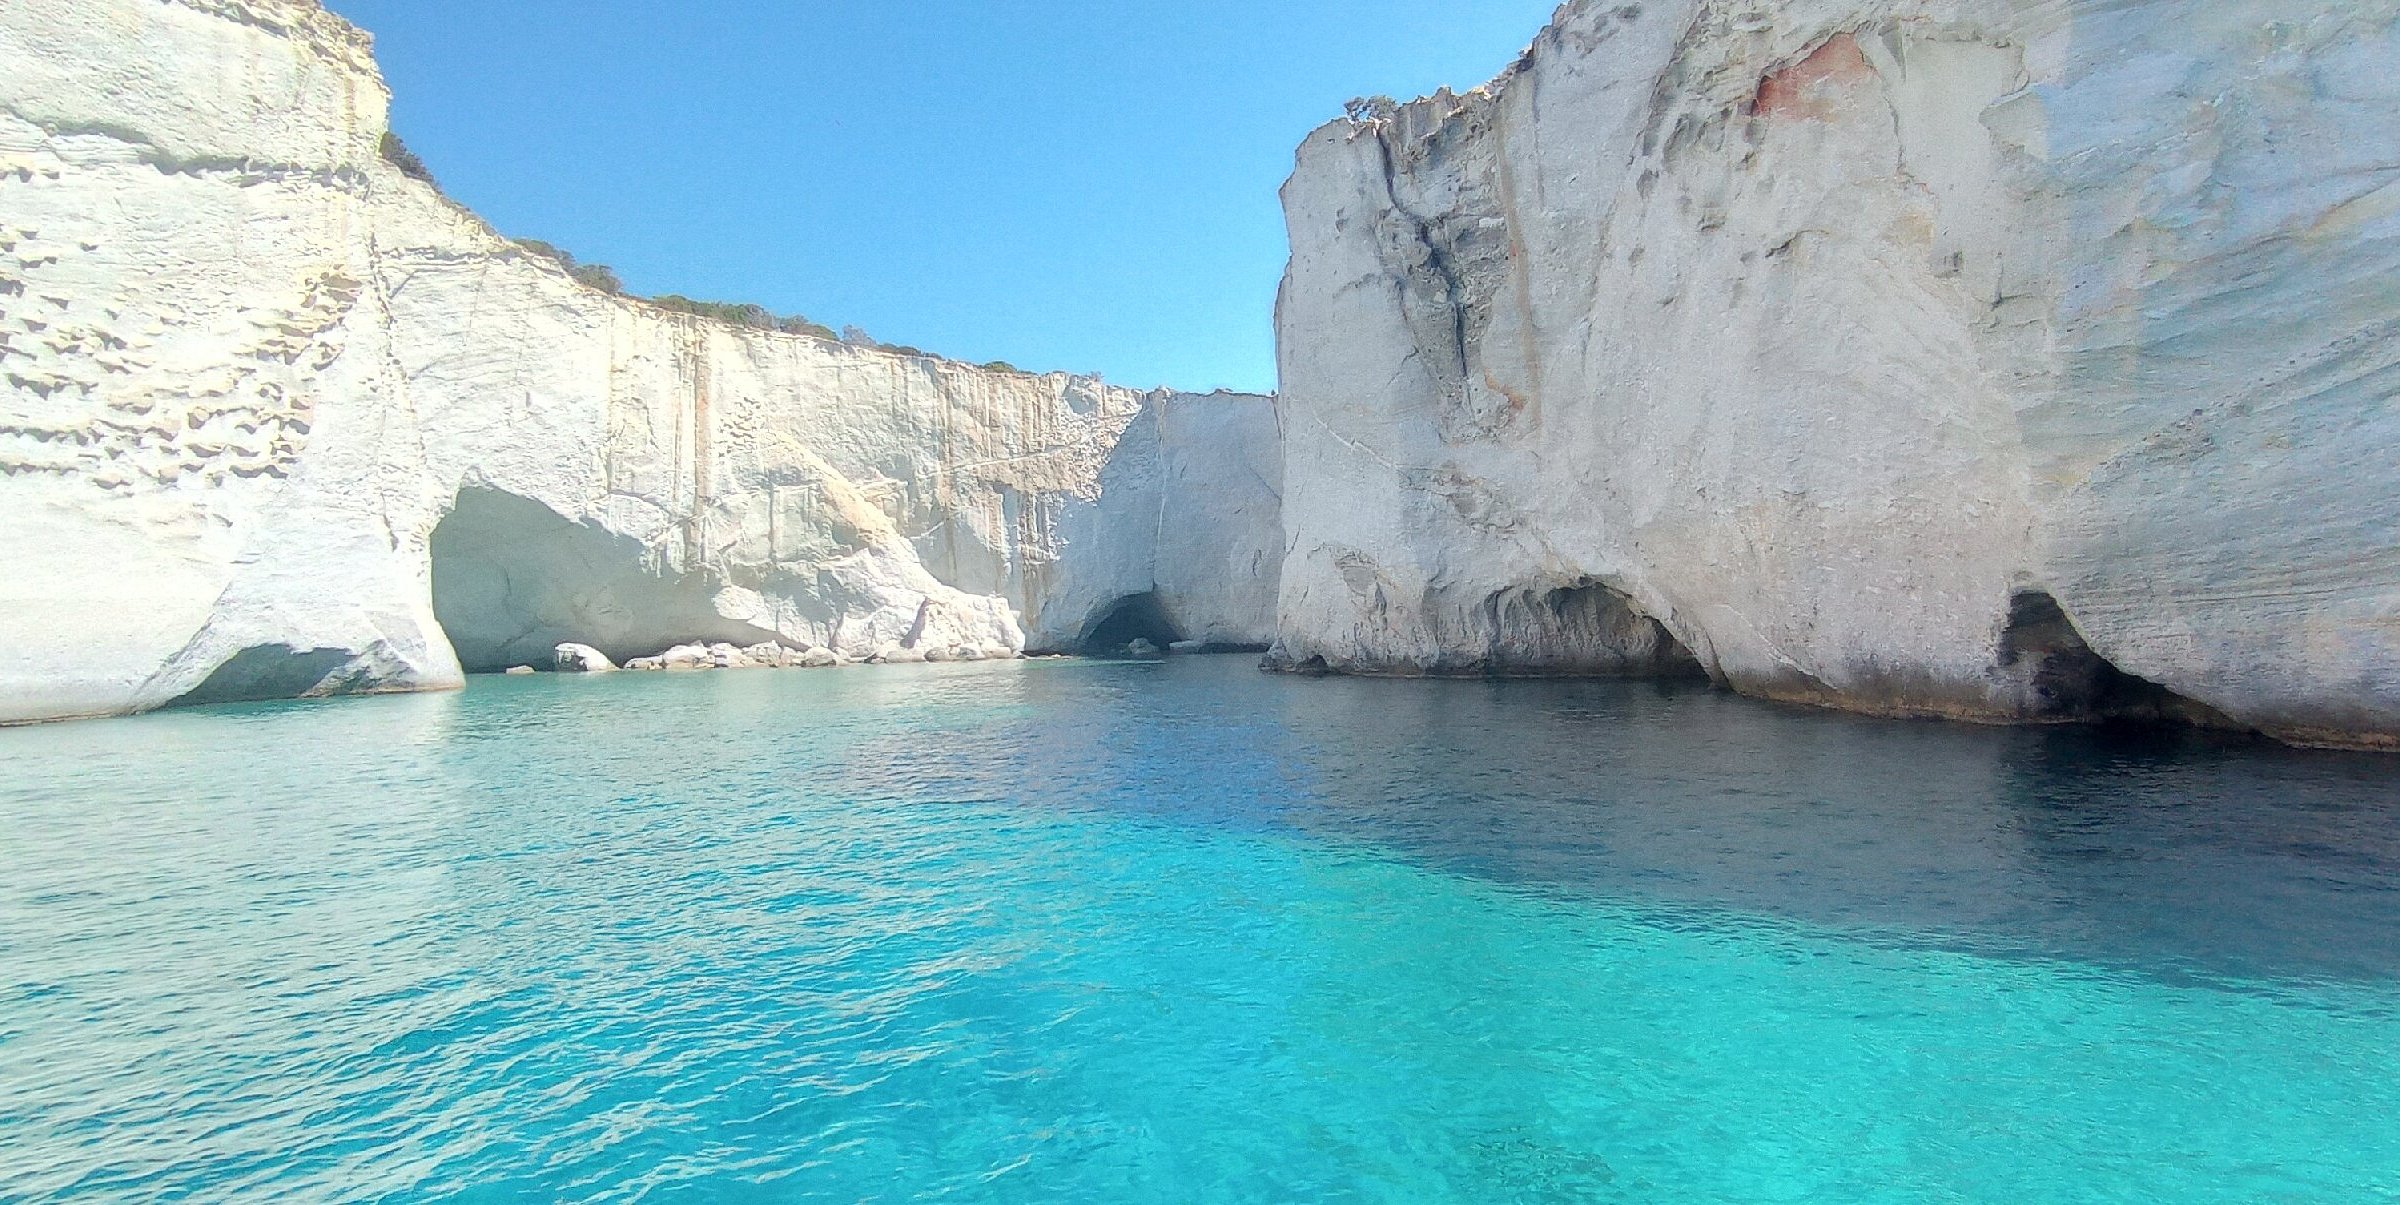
[[277, 419], [1996, 360]]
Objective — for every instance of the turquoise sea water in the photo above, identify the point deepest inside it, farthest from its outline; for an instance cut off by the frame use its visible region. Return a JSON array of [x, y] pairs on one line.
[[1076, 931]]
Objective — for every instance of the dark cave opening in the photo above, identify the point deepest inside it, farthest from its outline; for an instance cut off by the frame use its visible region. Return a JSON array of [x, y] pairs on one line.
[[1597, 607], [1581, 628], [265, 672], [2072, 682], [1134, 617]]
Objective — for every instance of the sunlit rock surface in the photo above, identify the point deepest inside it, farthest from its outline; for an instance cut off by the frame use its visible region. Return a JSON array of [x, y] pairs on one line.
[[2002, 361], [277, 420]]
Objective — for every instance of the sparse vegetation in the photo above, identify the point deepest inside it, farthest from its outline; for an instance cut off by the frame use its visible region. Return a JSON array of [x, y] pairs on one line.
[[548, 251], [396, 153], [597, 276], [755, 317], [858, 338], [747, 315]]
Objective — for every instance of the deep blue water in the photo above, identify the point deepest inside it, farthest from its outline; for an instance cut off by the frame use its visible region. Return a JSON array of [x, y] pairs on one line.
[[1076, 931]]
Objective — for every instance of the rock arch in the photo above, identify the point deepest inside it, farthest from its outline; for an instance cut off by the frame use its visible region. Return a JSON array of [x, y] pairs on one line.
[[513, 579]]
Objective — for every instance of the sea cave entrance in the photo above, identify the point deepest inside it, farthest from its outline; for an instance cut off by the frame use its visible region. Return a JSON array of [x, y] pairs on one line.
[[1135, 617], [514, 579], [2072, 682], [1580, 628]]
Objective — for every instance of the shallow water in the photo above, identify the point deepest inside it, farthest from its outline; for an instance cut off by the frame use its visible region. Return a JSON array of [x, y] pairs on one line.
[[1074, 931]]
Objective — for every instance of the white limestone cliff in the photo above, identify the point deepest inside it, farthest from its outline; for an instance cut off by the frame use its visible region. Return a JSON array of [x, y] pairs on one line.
[[1997, 359], [276, 419]]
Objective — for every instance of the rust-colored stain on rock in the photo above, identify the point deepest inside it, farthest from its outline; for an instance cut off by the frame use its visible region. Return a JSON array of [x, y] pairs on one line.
[[1814, 87]]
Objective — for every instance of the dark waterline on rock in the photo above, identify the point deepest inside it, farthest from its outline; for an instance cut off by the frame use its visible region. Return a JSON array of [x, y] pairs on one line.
[[1110, 930]]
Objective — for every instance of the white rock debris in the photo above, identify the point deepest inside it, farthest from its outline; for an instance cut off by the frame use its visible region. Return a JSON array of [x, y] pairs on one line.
[[278, 420], [1996, 359], [583, 659]]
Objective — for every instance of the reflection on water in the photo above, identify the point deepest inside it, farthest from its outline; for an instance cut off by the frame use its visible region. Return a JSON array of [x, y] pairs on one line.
[[1046, 931], [2161, 851], [2147, 849]]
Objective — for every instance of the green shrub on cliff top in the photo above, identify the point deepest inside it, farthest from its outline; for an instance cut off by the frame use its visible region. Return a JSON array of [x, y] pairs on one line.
[[396, 153], [797, 325], [743, 314], [597, 276], [592, 276], [748, 315], [548, 251]]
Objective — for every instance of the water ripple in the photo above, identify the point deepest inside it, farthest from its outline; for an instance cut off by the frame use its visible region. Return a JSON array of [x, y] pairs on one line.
[[1061, 932]]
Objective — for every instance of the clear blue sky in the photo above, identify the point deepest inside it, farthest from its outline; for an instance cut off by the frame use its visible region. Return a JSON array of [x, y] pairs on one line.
[[1086, 186]]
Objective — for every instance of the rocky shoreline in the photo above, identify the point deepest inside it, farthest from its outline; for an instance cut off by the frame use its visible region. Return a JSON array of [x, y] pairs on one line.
[[584, 659], [773, 655]]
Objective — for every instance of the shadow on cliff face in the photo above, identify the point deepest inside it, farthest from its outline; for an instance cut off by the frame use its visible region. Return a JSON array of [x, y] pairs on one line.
[[513, 579], [270, 671], [1583, 628]]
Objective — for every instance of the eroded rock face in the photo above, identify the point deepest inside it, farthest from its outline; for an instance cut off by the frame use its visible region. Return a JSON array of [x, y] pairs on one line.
[[1828, 334], [276, 419], [1188, 515]]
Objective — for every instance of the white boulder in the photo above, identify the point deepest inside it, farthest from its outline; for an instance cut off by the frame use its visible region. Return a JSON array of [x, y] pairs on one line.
[[583, 659], [768, 654], [687, 656]]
